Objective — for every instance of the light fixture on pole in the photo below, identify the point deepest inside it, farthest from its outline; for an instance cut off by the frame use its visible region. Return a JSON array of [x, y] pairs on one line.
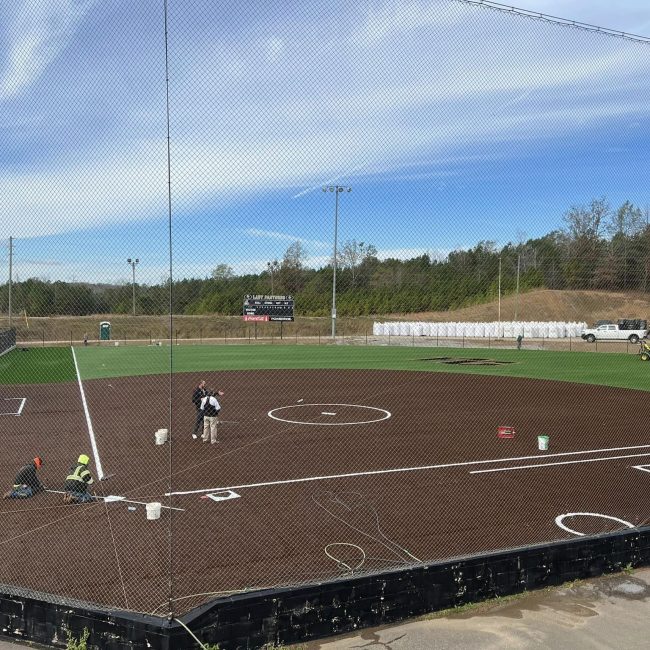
[[336, 189], [133, 263]]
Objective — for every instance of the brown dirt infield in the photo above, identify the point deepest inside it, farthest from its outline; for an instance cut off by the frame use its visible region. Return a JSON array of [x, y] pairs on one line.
[[312, 527]]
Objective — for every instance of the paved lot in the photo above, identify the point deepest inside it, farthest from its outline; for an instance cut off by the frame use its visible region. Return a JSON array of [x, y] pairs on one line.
[[607, 612]]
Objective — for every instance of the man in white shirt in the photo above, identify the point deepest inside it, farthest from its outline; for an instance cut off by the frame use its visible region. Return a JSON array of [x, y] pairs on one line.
[[211, 408]]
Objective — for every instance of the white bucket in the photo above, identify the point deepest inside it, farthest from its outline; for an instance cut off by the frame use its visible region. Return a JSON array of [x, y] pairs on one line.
[[542, 442], [161, 436], [153, 510]]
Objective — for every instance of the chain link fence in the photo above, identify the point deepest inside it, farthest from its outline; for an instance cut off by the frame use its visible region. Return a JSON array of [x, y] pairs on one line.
[[162, 162]]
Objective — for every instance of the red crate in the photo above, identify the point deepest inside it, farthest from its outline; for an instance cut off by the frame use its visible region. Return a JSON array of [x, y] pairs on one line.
[[505, 432]]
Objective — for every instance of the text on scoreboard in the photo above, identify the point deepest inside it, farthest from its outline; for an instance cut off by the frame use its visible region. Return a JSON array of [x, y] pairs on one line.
[[265, 308]]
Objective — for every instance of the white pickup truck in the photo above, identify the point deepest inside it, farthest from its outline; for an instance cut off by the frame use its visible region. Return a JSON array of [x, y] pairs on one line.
[[613, 332]]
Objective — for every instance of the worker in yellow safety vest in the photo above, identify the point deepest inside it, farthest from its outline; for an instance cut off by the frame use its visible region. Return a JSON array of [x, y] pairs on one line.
[[77, 482]]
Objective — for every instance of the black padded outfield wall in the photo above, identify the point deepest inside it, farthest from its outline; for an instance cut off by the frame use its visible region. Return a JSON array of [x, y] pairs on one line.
[[283, 616], [7, 340]]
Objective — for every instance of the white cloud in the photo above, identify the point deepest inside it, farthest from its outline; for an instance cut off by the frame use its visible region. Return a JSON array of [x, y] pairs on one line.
[[38, 32], [273, 48], [398, 89], [269, 234], [399, 17]]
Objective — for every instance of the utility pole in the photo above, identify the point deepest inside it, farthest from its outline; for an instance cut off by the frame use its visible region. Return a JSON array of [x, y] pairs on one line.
[[11, 262], [499, 292], [517, 295], [336, 189]]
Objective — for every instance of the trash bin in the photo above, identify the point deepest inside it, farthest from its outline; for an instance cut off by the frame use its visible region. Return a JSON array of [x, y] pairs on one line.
[[105, 331]]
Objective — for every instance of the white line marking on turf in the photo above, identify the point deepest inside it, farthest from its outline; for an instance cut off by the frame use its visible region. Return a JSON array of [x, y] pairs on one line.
[[564, 462], [560, 518], [643, 468], [91, 433], [405, 469], [20, 408], [327, 413], [386, 415], [113, 498]]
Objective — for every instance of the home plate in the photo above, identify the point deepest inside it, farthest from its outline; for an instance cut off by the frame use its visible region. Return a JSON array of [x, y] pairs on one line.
[[222, 496], [327, 413]]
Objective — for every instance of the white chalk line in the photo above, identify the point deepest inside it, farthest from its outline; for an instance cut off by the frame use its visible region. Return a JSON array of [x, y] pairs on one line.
[[565, 462], [91, 433], [111, 498], [560, 518], [402, 469], [20, 408], [386, 415]]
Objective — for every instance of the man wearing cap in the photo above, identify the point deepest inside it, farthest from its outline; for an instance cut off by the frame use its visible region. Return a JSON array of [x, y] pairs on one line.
[[199, 393], [77, 482], [26, 483]]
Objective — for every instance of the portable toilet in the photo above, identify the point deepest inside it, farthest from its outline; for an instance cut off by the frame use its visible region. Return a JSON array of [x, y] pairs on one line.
[[105, 331]]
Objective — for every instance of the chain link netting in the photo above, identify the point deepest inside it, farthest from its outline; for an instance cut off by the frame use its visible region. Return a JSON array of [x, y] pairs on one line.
[[376, 164]]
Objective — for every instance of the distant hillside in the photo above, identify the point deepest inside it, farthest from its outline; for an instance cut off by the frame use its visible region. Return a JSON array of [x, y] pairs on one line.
[[547, 304]]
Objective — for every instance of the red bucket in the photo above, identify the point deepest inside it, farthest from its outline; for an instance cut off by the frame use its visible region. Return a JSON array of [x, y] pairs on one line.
[[505, 432]]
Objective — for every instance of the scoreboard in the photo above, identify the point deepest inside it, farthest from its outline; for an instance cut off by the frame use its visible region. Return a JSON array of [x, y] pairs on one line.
[[265, 308]]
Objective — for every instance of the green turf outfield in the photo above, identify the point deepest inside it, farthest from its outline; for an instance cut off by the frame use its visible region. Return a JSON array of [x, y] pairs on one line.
[[43, 365], [623, 370], [37, 366]]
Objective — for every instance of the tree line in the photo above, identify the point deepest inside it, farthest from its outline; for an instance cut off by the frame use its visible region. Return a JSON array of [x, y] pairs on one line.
[[598, 247]]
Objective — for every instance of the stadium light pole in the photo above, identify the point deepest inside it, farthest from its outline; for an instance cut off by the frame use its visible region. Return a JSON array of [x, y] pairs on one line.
[[133, 263], [337, 189], [273, 268], [11, 263]]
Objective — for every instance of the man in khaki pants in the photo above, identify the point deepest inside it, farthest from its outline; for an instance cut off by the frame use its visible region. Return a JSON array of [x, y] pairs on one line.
[[210, 407]]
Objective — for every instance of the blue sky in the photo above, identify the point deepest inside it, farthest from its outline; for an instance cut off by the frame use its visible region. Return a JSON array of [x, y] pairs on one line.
[[453, 123]]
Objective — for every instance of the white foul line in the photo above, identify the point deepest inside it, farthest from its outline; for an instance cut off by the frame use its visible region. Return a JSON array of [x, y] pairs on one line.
[[408, 469], [91, 433], [565, 462], [118, 499]]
